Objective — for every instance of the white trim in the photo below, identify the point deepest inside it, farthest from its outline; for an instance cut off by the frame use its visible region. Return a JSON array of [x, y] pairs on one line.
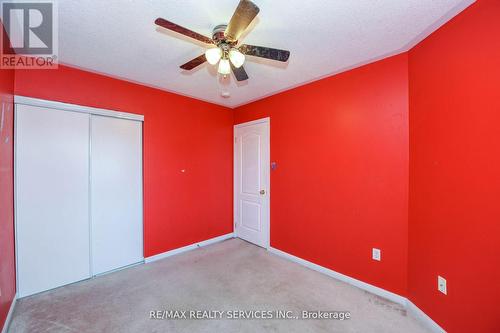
[[6, 324], [453, 12], [461, 6], [352, 281], [16, 214], [144, 84], [188, 248], [89, 198], [119, 269], [423, 318], [75, 108], [410, 307], [253, 122]]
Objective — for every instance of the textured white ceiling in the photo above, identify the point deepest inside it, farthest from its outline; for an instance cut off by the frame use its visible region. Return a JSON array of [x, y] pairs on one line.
[[118, 38]]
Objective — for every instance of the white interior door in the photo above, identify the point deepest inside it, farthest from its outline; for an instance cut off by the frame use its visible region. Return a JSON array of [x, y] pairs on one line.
[[52, 191], [251, 170], [116, 193]]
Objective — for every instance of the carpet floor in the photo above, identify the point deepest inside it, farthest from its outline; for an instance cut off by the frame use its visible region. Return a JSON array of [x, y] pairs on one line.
[[233, 276]]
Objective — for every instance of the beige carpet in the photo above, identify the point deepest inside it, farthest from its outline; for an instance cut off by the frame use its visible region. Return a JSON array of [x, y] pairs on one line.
[[228, 276]]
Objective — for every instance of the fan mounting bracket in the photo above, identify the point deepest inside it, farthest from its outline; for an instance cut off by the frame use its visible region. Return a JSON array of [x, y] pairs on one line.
[[219, 37]]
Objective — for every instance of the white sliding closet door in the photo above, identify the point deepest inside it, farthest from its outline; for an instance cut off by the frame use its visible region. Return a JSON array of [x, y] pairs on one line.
[[116, 193], [52, 192]]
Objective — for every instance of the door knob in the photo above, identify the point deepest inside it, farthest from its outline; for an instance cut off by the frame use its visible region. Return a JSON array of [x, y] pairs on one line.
[[262, 192]]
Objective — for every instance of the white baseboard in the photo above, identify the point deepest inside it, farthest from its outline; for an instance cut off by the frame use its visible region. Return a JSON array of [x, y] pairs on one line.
[[410, 307], [420, 315], [188, 248], [5, 327], [339, 276]]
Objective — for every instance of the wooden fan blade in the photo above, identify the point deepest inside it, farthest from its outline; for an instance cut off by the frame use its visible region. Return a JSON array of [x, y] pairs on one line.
[[185, 31], [242, 17], [194, 63], [265, 52], [239, 73]]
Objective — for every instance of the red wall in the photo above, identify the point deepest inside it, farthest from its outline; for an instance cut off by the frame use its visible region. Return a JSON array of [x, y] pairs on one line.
[[341, 185], [454, 212], [7, 258], [180, 133], [342, 149]]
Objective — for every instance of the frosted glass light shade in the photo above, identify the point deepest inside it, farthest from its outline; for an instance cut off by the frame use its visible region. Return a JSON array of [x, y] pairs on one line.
[[237, 58], [224, 67], [213, 55]]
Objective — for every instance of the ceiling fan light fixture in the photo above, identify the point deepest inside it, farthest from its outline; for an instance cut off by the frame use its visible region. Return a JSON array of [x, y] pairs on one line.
[[224, 67], [213, 55], [221, 47], [236, 57]]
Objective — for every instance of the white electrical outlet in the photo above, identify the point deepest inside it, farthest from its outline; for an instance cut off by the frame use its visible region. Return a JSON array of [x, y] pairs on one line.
[[376, 255], [442, 284]]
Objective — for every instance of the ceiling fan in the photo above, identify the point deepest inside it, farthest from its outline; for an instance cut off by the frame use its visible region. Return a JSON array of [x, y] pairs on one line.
[[224, 43]]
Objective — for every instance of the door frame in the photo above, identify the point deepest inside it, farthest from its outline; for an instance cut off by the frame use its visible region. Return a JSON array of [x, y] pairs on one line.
[[267, 175]]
